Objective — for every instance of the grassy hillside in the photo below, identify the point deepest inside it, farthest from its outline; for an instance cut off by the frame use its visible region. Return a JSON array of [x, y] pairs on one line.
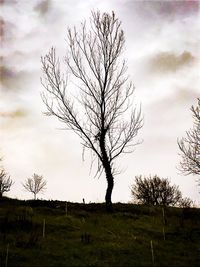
[[89, 237]]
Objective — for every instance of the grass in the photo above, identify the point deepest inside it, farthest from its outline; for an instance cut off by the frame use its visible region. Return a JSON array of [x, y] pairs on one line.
[[89, 237]]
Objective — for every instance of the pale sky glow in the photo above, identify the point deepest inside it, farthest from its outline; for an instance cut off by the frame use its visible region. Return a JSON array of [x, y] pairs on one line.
[[162, 53]]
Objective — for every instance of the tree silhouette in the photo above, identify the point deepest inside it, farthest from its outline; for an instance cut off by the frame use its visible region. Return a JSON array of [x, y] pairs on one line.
[[5, 182], [156, 191], [35, 184], [102, 114], [190, 145]]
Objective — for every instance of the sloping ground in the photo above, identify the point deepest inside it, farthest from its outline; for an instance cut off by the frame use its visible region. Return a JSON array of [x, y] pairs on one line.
[[42, 234]]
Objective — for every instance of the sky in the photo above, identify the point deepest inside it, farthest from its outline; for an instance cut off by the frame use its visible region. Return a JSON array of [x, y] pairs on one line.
[[162, 53]]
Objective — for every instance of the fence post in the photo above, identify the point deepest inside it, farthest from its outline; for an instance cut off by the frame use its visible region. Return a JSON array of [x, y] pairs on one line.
[[164, 233], [152, 252], [43, 230]]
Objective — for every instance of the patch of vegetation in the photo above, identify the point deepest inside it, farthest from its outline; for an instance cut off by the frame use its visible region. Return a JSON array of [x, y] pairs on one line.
[[41, 233]]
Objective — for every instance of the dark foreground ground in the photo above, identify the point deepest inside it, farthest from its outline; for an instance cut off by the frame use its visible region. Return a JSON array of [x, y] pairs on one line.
[[41, 234]]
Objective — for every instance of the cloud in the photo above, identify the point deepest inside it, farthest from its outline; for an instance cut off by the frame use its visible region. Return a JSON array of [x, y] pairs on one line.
[[186, 96], [43, 7], [174, 7], [169, 62], [169, 116], [8, 2], [11, 79], [18, 113], [164, 9], [181, 98], [2, 26]]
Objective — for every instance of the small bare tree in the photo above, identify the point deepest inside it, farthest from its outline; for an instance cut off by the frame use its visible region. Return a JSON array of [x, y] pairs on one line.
[[155, 191], [5, 182], [101, 115], [190, 145], [35, 185]]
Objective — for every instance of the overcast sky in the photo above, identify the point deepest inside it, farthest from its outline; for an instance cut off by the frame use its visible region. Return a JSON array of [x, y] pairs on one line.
[[162, 52]]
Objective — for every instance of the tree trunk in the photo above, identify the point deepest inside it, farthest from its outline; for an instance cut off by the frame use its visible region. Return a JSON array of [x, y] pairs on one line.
[[108, 171], [110, 184]]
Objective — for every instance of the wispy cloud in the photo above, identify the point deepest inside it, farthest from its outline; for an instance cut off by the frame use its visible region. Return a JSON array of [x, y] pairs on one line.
[[2, 26], [169, 62], [18, 113], [10, 79], [43, 7], [167, 9]]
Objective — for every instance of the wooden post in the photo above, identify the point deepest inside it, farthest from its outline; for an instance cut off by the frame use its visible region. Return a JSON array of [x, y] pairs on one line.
[[7, 251], [152, 252], [43, 230], [164, 233]]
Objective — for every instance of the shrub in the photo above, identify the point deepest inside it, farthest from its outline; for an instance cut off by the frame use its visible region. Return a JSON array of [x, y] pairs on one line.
[[155, 191]]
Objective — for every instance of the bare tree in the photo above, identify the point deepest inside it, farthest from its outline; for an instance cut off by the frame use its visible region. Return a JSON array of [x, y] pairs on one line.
[[190, 145], [102, 115], [5, 182], [35, 185], [156, 191]]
